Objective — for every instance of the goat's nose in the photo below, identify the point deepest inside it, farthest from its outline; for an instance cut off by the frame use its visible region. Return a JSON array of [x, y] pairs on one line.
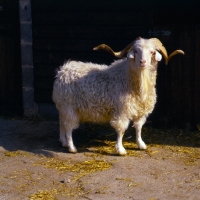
[[142, 61]]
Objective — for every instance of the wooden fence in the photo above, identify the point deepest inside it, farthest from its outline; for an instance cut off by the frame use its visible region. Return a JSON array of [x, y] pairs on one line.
[[65, 30]]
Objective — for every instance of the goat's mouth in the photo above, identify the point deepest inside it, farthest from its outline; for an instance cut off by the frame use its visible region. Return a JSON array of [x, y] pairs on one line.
[[143, 66]]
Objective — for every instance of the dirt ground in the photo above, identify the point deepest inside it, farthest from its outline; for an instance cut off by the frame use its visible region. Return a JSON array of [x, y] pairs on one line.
[[34, 165]]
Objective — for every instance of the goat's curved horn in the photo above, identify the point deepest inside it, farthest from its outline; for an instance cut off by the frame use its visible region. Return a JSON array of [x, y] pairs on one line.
[[119, 54], [174, 53], [159, 46]]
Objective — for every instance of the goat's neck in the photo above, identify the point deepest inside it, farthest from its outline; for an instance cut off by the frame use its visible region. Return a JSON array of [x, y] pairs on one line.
[[142, 82]]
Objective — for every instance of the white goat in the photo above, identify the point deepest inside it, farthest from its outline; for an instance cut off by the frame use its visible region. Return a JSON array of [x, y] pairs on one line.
[[123, 91]]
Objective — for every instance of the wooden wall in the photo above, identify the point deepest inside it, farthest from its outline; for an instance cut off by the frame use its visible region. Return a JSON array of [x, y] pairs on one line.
[[67, 29], [10, 67]]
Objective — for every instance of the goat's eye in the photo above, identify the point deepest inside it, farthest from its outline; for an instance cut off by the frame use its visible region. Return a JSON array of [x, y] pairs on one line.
[[152, 52]]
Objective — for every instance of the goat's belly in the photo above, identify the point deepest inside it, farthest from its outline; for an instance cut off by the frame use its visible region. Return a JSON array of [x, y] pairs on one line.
[[94, 115]]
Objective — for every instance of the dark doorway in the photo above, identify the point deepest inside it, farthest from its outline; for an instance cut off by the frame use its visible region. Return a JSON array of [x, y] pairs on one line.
[[10, 65]]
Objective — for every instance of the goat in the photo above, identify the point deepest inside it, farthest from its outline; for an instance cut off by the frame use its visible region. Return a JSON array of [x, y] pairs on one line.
[[119, 93]]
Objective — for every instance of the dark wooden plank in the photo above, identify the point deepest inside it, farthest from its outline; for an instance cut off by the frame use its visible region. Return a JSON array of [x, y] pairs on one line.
[[43, 96], [10, 68], [186, 42], [63, 32], [176, 84], [43, 83], [181, 12], [90, 5], [170, 81], [45, 70], [160, 116], [196, 77], [58, 58], [3, 77], [166, 95], [10, 75], [77, 45], [165, 76], [176, 104], [9, 13], [161, 7], [95, 18]]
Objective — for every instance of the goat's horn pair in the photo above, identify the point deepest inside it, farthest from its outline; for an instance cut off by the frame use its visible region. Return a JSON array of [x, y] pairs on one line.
[[159, 46], [119, 54]]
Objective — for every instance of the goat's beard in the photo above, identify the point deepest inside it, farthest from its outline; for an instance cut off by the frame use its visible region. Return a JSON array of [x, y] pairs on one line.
[[143, 83]]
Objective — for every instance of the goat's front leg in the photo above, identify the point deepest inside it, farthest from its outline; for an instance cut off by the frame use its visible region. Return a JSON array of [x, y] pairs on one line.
[[138, 128], [120, 125]]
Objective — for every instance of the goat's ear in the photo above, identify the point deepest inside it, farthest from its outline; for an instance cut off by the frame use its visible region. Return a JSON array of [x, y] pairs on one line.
[[158, 56], [130, 54]]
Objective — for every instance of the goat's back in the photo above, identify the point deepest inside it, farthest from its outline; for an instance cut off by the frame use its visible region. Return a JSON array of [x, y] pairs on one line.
[[90, 89]]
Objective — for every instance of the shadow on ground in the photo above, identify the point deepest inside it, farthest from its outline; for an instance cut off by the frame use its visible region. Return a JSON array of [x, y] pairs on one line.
[[42, 136]]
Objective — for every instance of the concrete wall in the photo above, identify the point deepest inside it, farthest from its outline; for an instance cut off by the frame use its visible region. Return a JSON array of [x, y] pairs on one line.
[[29, 106]]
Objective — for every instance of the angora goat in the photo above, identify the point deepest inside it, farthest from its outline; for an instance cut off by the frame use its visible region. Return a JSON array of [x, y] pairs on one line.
[[119, 93]]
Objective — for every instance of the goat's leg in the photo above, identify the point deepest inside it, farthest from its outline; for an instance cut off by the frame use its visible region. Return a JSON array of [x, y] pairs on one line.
[[120, 126], [66, 137], [138, 127], [66, 127], [119, 146], [63, 139], [70, 143]]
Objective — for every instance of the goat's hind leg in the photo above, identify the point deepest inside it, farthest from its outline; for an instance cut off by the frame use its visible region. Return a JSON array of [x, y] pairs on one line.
[[119, 146], [66, 136], [70, 143], [138, 128], [63, 139]]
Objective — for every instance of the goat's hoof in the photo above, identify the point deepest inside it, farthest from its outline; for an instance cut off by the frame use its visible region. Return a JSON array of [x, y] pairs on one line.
[[142, 145], [73, 150], [122, 152]]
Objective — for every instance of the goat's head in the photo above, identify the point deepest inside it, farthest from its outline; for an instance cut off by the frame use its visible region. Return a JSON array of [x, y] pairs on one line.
[[142, 51]]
